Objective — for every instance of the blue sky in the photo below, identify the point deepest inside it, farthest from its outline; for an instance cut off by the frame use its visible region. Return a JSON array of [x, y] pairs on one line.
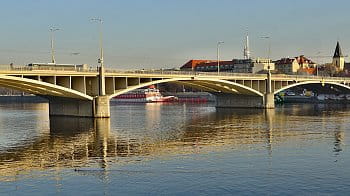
[[166, 33]]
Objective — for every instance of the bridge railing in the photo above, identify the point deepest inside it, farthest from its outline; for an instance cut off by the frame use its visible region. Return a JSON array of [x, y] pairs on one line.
[[299, 77], [28, 68], [167, 72], [230, 74], [188, 73]]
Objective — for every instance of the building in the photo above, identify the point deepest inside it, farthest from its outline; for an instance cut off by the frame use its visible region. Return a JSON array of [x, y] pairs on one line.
[[338, 58], [305, 63], [261, 64], [212, 66], [192, 64], [245, 65], [236, 65], [252, 65], [287, 65], [338, 66], [242, 66], [295, 65]]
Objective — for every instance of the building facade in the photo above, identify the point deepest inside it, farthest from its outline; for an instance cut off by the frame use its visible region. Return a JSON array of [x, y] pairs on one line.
[[245, 65], [294, 65], [236, 65], [287, 65]]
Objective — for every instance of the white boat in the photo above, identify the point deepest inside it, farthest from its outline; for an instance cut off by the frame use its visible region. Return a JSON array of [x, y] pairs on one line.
[[147, 95]]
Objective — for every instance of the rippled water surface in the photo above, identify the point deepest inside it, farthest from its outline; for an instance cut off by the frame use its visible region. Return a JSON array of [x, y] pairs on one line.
[[176, 149]]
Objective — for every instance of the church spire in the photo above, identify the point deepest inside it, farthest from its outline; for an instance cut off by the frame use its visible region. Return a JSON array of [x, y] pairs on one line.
[[338, 58], [337, 52]]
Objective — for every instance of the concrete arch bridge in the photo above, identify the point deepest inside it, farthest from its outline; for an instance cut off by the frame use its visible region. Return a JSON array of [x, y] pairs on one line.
[[87, 93]]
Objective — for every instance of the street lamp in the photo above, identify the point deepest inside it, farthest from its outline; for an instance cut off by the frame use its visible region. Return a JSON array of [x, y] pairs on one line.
[[268, 51], [317, 55], [100, 21], [269, 82], [52, 30], [218, 54], [102, 82]]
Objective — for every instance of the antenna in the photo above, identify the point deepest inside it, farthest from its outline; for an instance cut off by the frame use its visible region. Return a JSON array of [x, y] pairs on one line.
[[246, 52]]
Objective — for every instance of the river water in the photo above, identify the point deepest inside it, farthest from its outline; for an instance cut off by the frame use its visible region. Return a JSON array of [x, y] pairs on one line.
[[176, 149]]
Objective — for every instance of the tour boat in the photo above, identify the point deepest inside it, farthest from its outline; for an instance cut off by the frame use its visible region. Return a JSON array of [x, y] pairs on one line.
[[147, 95]]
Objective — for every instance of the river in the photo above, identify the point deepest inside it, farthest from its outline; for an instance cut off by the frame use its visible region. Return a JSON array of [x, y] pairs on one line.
[[176, 149]]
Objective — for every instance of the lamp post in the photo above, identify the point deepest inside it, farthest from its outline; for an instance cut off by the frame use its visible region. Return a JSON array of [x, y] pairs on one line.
[[102, 86], [52, 30], [268, 82], [268, 51], [100, 21], [218, 54], [317, 55]]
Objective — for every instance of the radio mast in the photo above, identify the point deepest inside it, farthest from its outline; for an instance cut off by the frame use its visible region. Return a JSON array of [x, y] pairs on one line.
[[246, 52]]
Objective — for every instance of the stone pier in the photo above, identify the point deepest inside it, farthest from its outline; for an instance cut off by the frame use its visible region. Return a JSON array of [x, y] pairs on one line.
[[98, 108], [226, 100], [101, 107], [269, 101]]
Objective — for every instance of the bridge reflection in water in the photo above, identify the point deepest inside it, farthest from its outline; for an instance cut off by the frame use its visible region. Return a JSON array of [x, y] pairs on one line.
[[80, 143]]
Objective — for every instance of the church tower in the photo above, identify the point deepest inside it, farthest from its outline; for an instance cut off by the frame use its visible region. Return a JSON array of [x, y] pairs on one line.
[[338, 58]]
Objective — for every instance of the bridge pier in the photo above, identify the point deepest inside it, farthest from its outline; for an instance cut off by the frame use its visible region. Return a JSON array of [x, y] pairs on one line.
[[61, 106], [269, 101], [98, 108], [269, 97], [101, 107], [226, 100]]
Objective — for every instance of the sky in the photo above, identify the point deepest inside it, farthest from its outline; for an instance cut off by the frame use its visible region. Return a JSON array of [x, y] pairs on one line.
[[152, 34]]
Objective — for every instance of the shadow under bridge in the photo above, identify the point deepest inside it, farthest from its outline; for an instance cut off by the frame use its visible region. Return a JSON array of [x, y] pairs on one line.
[[214, 86]]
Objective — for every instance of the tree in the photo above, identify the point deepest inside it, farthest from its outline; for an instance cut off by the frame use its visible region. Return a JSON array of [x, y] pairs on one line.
[[330, 70]]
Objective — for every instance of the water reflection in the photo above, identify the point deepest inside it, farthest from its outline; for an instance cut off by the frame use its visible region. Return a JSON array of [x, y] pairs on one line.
[[14, 129], [269, 115], [91, 143], [69, 127], [339, 135]]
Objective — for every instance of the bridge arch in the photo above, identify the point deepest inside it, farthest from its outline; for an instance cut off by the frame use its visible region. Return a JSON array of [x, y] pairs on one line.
[[40, 88], [311, 82], [206, 84]]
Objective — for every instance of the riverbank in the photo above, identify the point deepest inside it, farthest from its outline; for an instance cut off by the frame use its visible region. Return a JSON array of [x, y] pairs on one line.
[[312, 99], [193, 97], [22, 99]]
